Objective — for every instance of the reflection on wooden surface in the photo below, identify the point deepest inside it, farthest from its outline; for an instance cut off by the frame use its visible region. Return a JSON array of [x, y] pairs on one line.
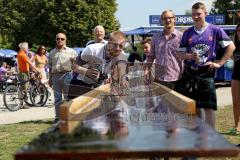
[[137, 125]]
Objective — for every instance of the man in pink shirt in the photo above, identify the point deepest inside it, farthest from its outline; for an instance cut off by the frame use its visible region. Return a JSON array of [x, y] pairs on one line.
[[168, 68]]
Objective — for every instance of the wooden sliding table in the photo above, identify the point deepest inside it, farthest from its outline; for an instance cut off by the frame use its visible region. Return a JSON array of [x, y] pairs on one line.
[[143, 123]]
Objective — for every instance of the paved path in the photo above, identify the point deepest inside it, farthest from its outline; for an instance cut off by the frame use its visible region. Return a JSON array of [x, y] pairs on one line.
[[38, 113], [31, 114], [224, 97]]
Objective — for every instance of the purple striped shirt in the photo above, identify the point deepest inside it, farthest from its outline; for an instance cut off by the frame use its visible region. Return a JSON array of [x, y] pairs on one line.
[[164, 52]]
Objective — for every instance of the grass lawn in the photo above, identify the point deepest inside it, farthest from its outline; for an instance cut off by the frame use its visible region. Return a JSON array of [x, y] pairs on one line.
[[14, 136]]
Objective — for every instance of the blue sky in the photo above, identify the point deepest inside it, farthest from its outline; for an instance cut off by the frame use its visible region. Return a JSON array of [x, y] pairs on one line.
[[135, 13]]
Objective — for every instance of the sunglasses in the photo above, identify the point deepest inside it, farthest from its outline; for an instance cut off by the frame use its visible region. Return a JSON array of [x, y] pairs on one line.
[[62, 39]]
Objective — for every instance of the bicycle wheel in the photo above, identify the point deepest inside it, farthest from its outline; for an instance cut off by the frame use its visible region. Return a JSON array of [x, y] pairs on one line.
[[27, 99], [12, 98], [39, 95]]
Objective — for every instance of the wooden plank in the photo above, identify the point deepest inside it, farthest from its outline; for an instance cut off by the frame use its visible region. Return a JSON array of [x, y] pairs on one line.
[[182, 103], [67, 126], [74, 111], [70, 108]]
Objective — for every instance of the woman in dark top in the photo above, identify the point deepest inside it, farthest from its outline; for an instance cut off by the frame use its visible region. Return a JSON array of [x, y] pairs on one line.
[[235, 84]]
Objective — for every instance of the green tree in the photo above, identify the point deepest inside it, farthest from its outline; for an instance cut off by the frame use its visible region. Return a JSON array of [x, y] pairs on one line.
[[225, 7], [11, 20], [38, 21], [188, 12]]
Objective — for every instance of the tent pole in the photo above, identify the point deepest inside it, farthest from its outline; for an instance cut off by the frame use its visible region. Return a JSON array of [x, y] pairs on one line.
[[132, 38]]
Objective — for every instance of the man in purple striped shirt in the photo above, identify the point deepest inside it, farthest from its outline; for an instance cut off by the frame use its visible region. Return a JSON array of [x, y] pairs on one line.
[[168, 68]]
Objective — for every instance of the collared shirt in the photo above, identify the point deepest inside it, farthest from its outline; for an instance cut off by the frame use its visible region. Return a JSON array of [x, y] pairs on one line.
[[59, 60], [168, 68]]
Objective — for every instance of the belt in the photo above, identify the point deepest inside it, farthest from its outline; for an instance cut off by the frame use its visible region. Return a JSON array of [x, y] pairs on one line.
[[202, 71]]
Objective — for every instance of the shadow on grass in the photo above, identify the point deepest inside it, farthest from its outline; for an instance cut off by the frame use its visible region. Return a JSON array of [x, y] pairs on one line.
[[49, 121], [230, 134]]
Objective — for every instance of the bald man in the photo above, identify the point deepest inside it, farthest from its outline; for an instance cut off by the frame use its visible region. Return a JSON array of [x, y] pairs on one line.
[[60, 70]]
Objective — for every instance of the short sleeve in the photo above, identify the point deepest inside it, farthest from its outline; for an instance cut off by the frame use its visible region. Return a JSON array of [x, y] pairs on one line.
[[222, 38], [86, 54], [184, 43], [50, 58]]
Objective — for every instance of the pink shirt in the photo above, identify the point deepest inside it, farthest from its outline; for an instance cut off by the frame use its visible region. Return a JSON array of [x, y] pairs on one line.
[[168, 68]]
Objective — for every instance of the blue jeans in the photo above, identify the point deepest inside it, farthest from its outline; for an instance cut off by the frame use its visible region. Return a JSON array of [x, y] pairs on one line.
[[60, 83]]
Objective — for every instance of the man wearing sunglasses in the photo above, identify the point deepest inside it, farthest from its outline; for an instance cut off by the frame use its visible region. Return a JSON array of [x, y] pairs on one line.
[[60, 70], [102, 63]]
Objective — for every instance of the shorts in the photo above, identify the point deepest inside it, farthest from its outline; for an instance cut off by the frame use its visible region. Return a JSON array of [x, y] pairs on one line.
[[23, 76], [200, 89]]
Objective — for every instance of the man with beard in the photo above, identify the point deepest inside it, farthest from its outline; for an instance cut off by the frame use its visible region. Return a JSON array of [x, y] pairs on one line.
[[101, 63]]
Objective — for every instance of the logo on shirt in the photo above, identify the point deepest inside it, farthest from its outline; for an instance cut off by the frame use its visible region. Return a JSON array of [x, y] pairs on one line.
[[210, 38]]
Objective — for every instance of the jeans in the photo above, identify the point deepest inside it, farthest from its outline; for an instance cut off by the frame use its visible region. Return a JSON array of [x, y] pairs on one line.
[[60, 83]]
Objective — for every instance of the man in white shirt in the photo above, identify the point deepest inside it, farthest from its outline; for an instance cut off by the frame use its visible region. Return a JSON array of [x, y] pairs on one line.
[[102, 62]]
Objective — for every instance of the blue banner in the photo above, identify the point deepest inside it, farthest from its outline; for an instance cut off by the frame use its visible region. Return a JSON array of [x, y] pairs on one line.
[[187, 20]]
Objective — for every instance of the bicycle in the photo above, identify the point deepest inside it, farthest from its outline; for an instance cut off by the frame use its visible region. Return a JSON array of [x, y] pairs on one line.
[[35, 95]]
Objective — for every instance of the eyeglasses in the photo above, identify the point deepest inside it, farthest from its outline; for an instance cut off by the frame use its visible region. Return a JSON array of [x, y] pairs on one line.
[[62, 39], [167, 18], [115, 45]]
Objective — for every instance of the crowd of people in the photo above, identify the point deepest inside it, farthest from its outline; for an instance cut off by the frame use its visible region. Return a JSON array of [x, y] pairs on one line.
[[184, 61]]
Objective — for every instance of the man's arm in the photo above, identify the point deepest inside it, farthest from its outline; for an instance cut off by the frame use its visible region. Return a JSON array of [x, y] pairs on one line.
[[50, 76], [118, 74], [88, 72], [227, 54], [32, 65]]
